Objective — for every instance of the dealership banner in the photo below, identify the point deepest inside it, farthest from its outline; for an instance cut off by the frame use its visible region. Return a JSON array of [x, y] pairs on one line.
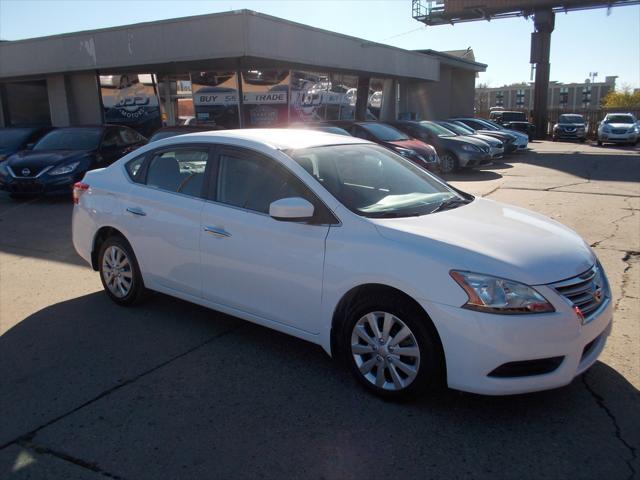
[[131, 100], [209, 97]]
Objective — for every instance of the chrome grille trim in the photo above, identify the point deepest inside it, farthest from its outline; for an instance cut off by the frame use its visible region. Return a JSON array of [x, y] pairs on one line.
[[582, 291]]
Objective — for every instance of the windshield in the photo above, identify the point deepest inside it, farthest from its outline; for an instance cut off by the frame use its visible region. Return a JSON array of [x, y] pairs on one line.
[[12, 138], [70, 139], [491, 125], [384, 133], [373, 181], [459, 128], [571, 119], [514, 117], [619, 119], [437, 129]]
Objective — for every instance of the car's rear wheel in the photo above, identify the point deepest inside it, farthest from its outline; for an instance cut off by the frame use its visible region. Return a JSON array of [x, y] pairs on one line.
[[119, 271], [391, 347], [448, 162]]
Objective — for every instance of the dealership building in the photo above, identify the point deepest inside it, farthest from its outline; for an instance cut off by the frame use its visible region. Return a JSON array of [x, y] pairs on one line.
[[233, 69]]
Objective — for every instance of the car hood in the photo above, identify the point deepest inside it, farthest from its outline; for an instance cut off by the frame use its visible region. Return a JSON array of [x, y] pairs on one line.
[[495, 239], [44, 158], [413, 144], [501, 134], [619, 125], [465, 139], [493, 141]]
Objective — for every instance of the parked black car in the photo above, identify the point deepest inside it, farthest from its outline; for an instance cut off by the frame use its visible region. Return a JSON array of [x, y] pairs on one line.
[[14, 139], [514, 121], [460, 129], [571, 126], [509, 139], [167, 132], [455, 152], [417, 151], [61, 158]]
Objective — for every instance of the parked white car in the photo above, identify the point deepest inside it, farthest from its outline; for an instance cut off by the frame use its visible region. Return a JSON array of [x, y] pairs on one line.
[[618, 128], [343, 243]]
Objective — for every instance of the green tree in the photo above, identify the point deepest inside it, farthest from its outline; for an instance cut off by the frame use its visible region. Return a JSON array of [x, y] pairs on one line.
[[625, 98]]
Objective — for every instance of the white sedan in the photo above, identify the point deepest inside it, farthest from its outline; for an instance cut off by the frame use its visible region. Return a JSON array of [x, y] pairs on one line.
[[345, 244], [618, 128]]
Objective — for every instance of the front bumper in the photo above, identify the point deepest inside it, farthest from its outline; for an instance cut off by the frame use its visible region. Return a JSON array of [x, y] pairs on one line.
[[575, 135], [47, 185], [497, 153], [618, 137], [473, 159], [476, 344]]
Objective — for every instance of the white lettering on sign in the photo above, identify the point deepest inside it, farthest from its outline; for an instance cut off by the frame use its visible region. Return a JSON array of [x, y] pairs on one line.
[[252, 98]]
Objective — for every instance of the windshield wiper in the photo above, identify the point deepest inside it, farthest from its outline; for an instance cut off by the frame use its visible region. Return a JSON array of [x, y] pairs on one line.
[[450, 203]]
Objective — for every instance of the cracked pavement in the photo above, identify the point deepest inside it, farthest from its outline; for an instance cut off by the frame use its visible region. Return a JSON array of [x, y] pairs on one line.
[[90, 390]]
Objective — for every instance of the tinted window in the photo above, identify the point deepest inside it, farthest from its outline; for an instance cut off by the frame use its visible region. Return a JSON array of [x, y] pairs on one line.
[[250, 181], [571, 119], [129, 136], [514, 117], [619, 119], [70, 139], [11, 138], [384, 133], [436, 129], [180, 170]]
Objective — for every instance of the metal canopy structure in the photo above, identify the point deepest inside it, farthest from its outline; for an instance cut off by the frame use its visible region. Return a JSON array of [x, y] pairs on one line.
[[449, 12]]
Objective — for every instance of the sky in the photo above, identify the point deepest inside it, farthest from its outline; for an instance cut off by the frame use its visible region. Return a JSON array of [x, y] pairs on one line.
[[583, 42]]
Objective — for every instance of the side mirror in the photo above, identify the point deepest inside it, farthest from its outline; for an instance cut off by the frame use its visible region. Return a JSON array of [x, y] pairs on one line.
[[293, 209]]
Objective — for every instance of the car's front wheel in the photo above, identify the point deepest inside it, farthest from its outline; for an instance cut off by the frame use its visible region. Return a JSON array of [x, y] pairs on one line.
[[119, 271], [448, 162], [392, 348]]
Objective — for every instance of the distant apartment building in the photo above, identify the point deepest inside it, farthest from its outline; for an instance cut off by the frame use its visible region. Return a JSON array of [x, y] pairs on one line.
[[562, 96]]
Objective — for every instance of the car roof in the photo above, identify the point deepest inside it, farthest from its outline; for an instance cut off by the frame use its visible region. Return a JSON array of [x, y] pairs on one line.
[[278, 138]]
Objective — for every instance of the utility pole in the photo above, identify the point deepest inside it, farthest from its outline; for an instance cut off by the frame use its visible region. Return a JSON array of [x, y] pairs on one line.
[[544, 22]]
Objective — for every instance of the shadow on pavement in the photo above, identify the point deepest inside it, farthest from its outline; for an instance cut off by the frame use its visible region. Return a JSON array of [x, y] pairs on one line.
[[191, 393]]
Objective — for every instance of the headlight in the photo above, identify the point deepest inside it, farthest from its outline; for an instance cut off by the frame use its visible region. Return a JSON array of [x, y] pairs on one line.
[[605, 128], [470, 148], [405, 152], [632, 130], [497, 295], [62, 169]]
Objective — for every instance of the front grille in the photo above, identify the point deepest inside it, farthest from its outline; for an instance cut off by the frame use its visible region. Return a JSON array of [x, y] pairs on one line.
[[619, 131], [570, 129], [25, 171], [587, 291]]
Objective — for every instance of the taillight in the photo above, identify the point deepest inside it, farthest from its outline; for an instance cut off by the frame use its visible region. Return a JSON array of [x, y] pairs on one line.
[[78, 189]]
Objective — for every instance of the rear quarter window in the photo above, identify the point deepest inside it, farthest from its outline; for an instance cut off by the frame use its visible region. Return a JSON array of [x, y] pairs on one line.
[[134, 168]]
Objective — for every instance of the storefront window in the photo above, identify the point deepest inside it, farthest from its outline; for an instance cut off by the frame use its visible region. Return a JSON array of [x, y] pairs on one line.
[[132, 100], [215, 99], [265, 98], [374, 105], [27, 103]]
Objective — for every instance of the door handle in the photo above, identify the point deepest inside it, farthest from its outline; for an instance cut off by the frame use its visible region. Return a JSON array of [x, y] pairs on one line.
[[217, 232], [136, 211]]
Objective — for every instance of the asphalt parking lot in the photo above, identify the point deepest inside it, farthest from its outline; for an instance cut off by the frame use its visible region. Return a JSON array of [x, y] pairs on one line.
[[170, 390]]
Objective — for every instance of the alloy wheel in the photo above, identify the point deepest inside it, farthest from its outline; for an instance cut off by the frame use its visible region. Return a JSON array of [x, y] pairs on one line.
[[116, 271], [448, 163], [385, 351]]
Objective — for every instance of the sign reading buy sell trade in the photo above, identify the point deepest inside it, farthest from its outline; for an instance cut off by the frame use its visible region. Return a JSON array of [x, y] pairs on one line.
[[202, 97]]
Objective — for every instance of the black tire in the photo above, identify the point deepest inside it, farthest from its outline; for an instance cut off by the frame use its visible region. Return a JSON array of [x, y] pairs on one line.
[[599, 143], [137, 289], [449, 163], [431, 370]]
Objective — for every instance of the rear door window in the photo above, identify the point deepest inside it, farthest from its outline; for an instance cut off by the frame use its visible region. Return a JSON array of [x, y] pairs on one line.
[[181, 171]]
